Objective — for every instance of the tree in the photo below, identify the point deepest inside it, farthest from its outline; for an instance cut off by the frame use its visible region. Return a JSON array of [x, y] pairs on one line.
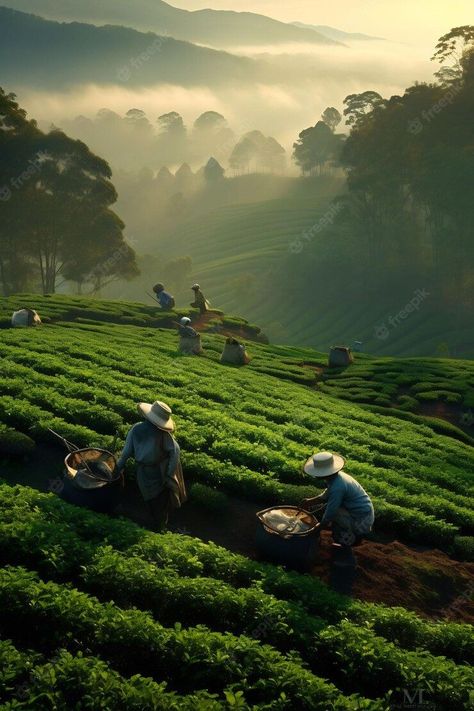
[[243, 154], [358, 105], [211, 134], [264, 152], [172, 125], [331, 117], [315, 147], [68, 227], [213, 171], [455, 45]]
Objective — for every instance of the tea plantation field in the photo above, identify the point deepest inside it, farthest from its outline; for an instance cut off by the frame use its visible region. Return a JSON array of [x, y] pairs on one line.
[[122, 618]]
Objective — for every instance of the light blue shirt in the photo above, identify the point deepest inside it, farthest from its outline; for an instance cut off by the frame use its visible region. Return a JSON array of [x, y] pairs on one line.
[[141, 444], [344, 491]]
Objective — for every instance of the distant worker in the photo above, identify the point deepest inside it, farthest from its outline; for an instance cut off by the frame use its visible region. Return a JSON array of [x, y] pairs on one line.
[[25, 317], [200, 302], [349, 510], [165, 299], [157, 456], [189, 338], [234, 352]]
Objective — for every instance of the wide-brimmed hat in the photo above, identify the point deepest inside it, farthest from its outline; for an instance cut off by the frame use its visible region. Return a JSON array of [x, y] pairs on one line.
[[324, 464], [158, 413], [195, 287], [185, 321]]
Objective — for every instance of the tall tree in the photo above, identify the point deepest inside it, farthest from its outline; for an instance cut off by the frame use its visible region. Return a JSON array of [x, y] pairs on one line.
[[315, 147], [331, 117], [60, 219]]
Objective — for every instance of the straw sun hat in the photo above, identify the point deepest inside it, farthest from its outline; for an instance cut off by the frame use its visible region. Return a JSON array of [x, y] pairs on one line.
[[158, 414], [324, 464]]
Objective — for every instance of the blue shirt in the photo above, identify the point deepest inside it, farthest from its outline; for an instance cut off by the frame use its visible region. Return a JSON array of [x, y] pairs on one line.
[[142, 444], [165, 299], [344, 491]]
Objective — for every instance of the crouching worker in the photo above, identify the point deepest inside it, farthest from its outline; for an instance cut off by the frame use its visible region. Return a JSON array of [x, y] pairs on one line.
[[189, 338], [165, 300], [349, 510], [157, 455], [234, 352]]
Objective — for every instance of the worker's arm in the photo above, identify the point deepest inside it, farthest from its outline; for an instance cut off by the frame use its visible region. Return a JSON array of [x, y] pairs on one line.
[[171, 446], [127, 452], [314, 500], [334, 501]]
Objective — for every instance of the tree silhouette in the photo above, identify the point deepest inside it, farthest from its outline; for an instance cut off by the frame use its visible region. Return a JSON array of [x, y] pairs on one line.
[[331, 117], [358, 105], [213, 171], [315, 147], [58, 215]]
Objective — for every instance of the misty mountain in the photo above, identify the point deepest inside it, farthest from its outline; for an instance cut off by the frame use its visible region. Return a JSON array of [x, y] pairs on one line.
[[46, 54], [218, 28], [334, 34]]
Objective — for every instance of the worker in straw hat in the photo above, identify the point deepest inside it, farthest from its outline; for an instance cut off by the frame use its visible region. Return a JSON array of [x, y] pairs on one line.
[[157, 455], [349, 511]]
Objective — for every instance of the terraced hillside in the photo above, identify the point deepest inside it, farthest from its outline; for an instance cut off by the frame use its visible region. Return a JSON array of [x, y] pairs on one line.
[[240, 251], [114, 611]]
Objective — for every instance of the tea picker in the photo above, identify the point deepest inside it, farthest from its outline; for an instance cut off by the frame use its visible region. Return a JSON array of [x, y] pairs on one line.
[[189, 338], [157, 456], [165, 300], [349, 511], [200, 302]]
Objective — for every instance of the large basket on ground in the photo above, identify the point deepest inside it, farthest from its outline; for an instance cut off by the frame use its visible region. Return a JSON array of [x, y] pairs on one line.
[[92, 479], [288, 535]]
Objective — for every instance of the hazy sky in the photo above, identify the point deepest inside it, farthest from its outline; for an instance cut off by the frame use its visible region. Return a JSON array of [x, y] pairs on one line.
[[401, 20]]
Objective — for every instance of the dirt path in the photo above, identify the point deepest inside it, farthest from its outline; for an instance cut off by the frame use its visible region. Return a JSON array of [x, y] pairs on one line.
[[426, 581]]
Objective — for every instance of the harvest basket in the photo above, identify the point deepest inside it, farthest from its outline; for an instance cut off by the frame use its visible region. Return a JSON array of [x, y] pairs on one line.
[[288, 535], [91, 479]]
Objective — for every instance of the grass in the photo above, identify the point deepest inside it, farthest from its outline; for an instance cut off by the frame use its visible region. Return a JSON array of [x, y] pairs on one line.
[[167, 621]]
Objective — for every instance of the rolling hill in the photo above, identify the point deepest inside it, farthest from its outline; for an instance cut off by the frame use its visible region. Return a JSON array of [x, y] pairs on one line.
[[119, 617], [108, 55], [242, 256], [217, 28], [337, 35]]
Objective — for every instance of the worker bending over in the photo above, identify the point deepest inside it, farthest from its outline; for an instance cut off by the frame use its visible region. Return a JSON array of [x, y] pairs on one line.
[[165, 300], [349, 510]]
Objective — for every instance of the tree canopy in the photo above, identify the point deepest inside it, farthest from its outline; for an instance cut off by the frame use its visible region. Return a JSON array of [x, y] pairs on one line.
[[56, 218]]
